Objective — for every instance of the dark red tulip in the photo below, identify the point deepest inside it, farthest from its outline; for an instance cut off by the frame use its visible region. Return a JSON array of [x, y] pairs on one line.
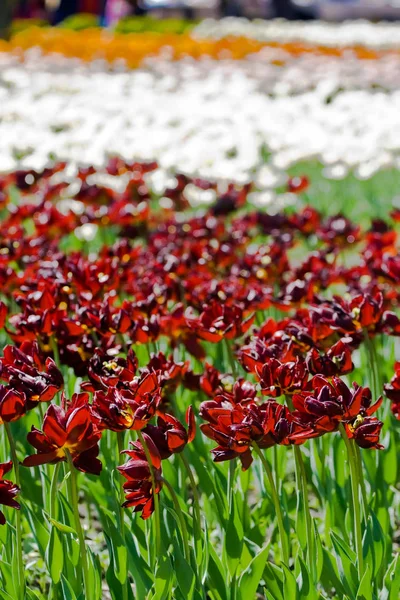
[[138, 486], [70, 428], [169, 435]]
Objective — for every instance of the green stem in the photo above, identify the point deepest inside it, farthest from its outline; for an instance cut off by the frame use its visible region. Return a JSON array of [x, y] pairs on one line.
[[120, 441], [231, 483], [361, 480], [21, 574], [54, 348], [356, 501], [275, 499], [196, 497], [231, 357], [53, 491], [78, 526], [301, 477], [196, 516], [304, 492], [155, 495], [181, 519], [374, 377]]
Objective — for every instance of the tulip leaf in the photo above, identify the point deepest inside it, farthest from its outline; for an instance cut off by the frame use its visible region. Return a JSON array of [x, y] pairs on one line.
[[62, 527], [391, 589], [68, 592], [40, 532], [94, 572], [216, 576], [388, 460], [346, 560], [233, 539], [184, 573], [364, 592], [374, 545], [250, 578], [330, 575], [55, 555], [273, 576], [289, 583], [7, 576], [164, 578]]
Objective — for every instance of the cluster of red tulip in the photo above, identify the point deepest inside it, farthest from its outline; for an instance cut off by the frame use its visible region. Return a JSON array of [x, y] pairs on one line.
[[185, 287]]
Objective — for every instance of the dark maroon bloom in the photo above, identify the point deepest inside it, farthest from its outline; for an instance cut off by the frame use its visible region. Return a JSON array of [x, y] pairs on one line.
[[339, 231], [120, 409], [138, 474], [331, 402], [335, 361], [12, 404], [278, 378], [29, 373], [8, 490], [236, 427], [219, 321], [67, 429], [365, 431], [106, 370], [169, 435]]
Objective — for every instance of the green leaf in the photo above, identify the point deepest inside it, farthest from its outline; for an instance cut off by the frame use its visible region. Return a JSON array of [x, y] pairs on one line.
[[319, 553], [183, 571], [250, 578], [55, 556], [216, 576], [330, 574], [346, 560], [8, 579], [62, 527], [365, 590], [289, 583], [142, 574], [68, 592], [388, 460], [40, 532], [304, 583], [273, 575], [234, 539], [374, 545], [391, 589], [164, 579], [94, 575]]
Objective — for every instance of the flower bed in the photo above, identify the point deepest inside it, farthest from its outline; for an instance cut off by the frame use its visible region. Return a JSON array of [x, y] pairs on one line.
[[205, 361]]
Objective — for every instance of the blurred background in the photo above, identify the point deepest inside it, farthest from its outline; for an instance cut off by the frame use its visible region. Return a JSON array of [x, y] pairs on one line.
[[108, 12]]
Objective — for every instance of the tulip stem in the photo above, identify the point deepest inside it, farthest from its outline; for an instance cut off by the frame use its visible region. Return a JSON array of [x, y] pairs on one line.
[[155, 495], [78, 526], [196, 513], [354, 480], [231, 357], [304, 492], [18, 528], [181, 519], [361, 480], [374, 377], [196, 497], [120, 441], [53, 491], [275, 499], [54, 348], [301, 477]]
